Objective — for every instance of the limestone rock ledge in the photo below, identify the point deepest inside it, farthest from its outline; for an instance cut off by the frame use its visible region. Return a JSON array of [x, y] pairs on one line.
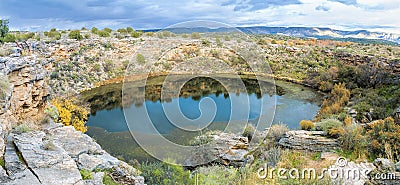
[[56, 155], [314, 141]]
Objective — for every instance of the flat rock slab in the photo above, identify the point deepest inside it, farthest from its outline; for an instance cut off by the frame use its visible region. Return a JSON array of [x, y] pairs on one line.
[[74, 142], [314, 141], [18, 173], [51, 165], [330, 156], [91, 162]]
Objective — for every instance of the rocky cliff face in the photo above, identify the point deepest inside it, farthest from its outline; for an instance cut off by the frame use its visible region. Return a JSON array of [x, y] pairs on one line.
[[28, 89], [56, 155]]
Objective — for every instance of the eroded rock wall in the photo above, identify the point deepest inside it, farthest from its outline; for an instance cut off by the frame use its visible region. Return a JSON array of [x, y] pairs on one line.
[[29, 89]]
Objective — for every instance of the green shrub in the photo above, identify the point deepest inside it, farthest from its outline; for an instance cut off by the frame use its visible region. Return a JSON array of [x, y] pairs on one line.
[[140, 59], [353, 141], [136, 34], [95, 30], [249, 131], [122, 30], [107, 180], [108, 66], [103, 33], [306, 125], [384, 139], [217, 175], [9, 38], [3, 28], [53, 33], [195, 35], [75, 34], [22, 128], [108, 30], [329, 126], [163, 173], [218, 41], [205, 42], [227, 38], [2, 162], [52, 112], [86, 174], [129, 29]]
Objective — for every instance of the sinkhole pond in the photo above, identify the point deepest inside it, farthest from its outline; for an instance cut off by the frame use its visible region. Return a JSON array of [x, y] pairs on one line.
[[206, 102]]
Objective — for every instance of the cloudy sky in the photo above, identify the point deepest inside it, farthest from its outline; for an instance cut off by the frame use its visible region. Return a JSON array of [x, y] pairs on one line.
[[373, 15]]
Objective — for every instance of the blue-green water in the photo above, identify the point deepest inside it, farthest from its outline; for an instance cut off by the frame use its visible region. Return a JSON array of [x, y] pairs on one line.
[[289, 110], [108, 125]]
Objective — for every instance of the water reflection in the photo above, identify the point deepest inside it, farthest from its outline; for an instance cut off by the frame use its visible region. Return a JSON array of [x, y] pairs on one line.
[[108, 126]]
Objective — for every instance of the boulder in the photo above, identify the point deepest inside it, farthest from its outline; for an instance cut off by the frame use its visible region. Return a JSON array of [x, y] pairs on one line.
[[224, 148], [314, 141]]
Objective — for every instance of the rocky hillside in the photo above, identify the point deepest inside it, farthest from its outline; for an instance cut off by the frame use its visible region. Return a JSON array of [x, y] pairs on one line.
[[33, 151]]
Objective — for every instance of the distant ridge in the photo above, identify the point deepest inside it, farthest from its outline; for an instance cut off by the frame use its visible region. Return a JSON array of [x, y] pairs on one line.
[[314, 32]]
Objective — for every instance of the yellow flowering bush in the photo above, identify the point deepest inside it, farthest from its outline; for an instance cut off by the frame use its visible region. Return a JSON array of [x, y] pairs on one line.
[[71, 113]]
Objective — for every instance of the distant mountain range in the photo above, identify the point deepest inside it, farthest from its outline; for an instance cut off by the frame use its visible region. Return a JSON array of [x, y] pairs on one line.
[[323, 33], [313, 32]]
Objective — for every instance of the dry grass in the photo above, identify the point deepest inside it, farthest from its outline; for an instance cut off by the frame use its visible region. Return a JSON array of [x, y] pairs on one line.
[[306, 125]]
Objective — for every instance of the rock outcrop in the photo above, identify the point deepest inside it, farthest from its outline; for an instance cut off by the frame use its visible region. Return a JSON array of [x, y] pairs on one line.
[[224, 148], [56, 155], [314, 141], [28, 88]]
